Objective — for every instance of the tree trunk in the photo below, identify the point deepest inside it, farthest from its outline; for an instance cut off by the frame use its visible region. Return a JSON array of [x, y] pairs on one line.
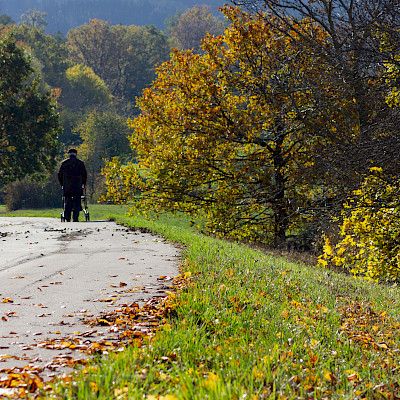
[[279, 206]]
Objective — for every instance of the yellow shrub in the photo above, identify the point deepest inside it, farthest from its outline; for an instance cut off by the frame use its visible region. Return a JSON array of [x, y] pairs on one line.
[[370, 233]]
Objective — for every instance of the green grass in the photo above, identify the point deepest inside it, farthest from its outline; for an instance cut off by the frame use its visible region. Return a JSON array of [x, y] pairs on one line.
[[255, 326], [97, 212]]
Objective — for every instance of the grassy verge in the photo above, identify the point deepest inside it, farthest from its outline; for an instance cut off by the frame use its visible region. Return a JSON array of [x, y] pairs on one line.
[[97, 212], [255, 326]]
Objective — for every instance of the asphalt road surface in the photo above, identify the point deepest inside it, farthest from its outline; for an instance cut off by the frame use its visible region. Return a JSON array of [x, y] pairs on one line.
[[53, 276]]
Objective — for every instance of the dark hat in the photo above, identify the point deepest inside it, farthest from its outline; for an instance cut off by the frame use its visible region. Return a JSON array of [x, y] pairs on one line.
[[72, 151]]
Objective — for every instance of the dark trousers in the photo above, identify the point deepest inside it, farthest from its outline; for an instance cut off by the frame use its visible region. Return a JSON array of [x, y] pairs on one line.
[[72, 205]]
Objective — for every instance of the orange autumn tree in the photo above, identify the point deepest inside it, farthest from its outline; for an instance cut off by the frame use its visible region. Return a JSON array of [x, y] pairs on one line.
[[232, 133]]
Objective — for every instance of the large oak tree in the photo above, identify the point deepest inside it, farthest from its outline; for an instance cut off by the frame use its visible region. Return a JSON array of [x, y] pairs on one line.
[[234, 132]]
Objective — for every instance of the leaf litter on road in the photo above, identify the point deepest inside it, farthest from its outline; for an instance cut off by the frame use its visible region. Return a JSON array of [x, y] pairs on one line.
[[129, 324]]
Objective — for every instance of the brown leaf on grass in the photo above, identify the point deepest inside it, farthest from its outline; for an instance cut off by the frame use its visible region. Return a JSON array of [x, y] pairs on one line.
[[368, 328], [353, 377]]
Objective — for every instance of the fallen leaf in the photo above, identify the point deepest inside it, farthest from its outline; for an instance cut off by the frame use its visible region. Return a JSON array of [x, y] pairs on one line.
[[383, 346], [329, 376]]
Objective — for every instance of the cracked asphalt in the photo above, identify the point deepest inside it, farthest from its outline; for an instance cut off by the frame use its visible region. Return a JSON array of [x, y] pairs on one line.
[[54, 276]]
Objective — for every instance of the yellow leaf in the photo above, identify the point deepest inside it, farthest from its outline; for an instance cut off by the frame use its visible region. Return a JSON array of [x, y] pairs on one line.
[[94, 387], [257, 374], [329, 376], [230, 272], [211, 381], [119, 392]]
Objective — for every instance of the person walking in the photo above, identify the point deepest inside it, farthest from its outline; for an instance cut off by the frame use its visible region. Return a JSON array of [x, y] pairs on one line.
[[72, 177]]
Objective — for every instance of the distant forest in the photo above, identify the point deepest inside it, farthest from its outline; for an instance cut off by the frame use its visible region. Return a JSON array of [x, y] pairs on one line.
[[63, 15]]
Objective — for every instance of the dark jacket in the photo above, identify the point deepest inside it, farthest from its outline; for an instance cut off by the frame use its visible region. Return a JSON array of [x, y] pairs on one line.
[[72, 176]]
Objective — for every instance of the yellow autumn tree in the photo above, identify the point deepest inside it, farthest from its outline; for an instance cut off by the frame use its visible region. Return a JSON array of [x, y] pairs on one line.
[[390, 48], [369, 244], [232, 133]]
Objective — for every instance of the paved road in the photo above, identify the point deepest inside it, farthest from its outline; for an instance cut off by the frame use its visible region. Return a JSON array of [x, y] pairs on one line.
[[53, 276]]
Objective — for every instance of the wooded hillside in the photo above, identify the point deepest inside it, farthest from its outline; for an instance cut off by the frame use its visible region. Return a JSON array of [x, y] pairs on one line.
[[63, 15]]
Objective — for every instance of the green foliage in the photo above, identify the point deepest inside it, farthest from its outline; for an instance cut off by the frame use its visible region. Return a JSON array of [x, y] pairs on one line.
[[123, 56], [104, 135], [49, 51], [85, 90], [369, 243], [69, 121], [28, 120], [121, 181], [33, 194]]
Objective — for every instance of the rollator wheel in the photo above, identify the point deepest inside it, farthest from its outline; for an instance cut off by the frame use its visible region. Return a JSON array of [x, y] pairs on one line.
[[87, 217], [62, 218]]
